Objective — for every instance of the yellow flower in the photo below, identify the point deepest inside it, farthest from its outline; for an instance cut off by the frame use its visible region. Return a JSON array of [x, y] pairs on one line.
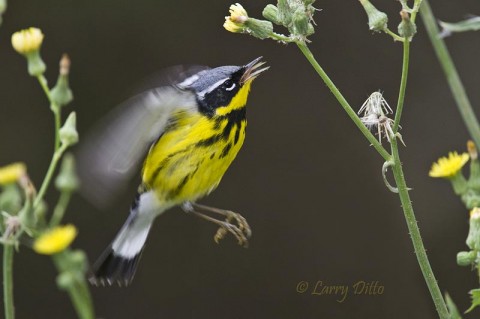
[[27, 40], [55, 240], [448, 167], [238, 16], [12, 173]]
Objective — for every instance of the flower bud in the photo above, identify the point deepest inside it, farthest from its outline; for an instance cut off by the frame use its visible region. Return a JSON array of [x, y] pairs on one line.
[[67, 179], [470, 198], [3, 7], [377, 20], [261, 29], [466, 258], [472, 150], [271, 13], [236, 20], [61, 94], [300, 22], [11, 199], [406, 28], [473, 239], [68, 132], [78, 260], [28, 42], [65, 280], [40, 212], [285, 12], [459, 184]]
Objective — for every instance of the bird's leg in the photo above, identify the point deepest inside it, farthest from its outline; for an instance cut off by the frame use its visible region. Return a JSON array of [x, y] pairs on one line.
[[240, 229]]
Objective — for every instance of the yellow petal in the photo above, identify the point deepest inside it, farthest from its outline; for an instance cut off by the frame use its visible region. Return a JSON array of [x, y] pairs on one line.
[[27, 40], [448, 167], [55, 240], [12, 173]]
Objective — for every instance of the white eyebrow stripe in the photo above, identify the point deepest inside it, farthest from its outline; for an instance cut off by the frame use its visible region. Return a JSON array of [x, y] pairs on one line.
[[212, 87]]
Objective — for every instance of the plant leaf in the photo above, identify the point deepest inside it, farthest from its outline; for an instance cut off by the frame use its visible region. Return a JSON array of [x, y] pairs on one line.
[[452, 308], [470, 24], [475, 295]]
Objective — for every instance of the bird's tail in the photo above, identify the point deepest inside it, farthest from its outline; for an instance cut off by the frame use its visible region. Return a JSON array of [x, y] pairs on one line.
[[118, 263]]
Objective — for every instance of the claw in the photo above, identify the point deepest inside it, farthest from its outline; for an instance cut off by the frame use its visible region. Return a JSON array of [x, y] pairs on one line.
[[234, 223]]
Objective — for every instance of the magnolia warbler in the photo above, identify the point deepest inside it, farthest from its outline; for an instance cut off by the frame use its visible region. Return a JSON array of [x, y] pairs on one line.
[[191, 130]]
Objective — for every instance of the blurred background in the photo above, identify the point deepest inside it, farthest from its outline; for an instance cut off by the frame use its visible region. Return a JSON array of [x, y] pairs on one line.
[[306, 180]]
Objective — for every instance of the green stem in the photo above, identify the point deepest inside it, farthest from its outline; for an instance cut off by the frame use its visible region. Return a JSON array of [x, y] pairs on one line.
[[395, 36], [53, 106], [48, 176], [407, 203], [403, 85], [376, 144], [8, 250], [281, 37], [59, 210], [456, 86], [56, 114], [415, 235], [77, 289]]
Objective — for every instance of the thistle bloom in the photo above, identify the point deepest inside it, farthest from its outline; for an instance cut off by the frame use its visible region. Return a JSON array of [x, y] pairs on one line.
[[27, 41], [12, 173], [235, 21], [55, 240], [448, 167]]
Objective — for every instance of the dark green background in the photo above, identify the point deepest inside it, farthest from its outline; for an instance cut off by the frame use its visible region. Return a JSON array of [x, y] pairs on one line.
[[306, 179]]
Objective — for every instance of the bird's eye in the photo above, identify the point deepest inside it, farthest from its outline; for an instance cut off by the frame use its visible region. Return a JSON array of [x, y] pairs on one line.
[[229, 85]]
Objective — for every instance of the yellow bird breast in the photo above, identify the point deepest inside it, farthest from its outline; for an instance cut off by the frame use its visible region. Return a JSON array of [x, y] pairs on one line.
[[193, 154]]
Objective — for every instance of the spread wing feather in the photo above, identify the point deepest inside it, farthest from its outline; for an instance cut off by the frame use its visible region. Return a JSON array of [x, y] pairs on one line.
[[110, 155]]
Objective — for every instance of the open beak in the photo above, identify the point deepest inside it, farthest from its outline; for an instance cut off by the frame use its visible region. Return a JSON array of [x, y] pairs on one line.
[[252, 70]]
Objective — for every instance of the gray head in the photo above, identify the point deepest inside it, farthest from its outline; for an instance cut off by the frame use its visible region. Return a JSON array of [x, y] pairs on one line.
[[216, 87]]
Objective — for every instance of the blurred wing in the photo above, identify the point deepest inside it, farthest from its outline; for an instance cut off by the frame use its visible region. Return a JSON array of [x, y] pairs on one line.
[[111, 153]]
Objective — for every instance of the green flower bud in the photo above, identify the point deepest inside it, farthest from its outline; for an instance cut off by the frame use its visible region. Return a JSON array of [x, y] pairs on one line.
[[406, 28], [377, 20], [308, 2], [67, 179], [473, 239], [261, 29], [459, 183], [68, 132], [471, 199], [285, 12], [36, 66], [78, 260], [11, 199], [300, 22], [466, 258], [61, 93], [271, 13], [40, 212], [311, 29], [3, 6], [28, 42], [474, 179], [65, 280]]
